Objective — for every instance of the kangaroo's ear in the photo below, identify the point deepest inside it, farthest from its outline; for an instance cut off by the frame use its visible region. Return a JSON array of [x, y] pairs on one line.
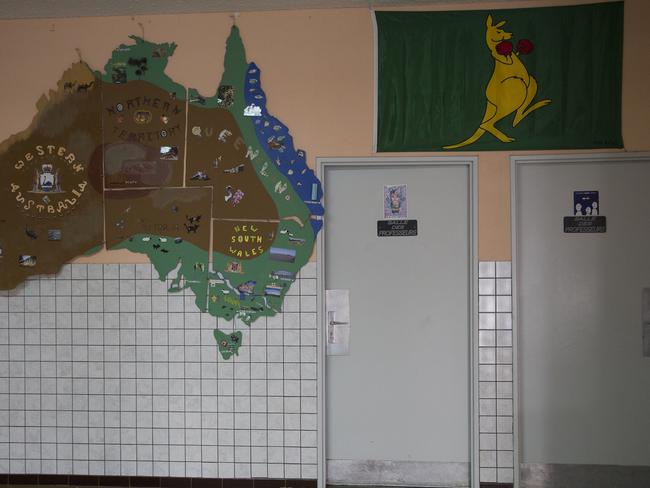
[[502, 23], [488, 22]]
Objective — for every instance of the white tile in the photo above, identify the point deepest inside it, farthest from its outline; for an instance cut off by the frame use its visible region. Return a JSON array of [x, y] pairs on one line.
[[504, 286], [62, 466], [487, 442], [292, 471], [143, 271], [227, 470], [308, 286], [486, 269], [308, 303], [504, 303], [32, 465], [488, 425], [488, 459], [504, 425], [486, 304], [291, 304], [242, 454], [291, 338], [96, 468], [486, 320], [160, 453], [308, 371], [308, 337], [309, 270], [504, 355], [308, 320], [486, 286], [209, 470], [488, 475], [309, 438], [505, 475], [505, 459], [486, 338], [309, 471], [504, 407], [259, 470], [176, 469], [504, 372], [309, 455], [503, 269], [504, 389], [504, 321], [144, 468], [504, 338], [505, 442], [487, 389], [127, 271], [226, 453], [487, 407], [309, 421]]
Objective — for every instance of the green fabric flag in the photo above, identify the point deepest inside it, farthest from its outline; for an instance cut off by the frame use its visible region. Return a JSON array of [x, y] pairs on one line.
[[480, 80]]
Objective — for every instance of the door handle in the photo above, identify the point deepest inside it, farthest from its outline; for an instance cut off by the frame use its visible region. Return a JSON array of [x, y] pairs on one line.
[[332, 322], [337, 321]]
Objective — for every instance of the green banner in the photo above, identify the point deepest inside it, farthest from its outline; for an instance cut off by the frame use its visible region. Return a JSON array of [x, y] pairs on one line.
[[481, 80]]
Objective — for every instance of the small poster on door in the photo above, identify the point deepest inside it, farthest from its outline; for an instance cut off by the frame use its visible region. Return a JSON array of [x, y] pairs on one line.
[[585, 203], [395, 202], [586, 215]]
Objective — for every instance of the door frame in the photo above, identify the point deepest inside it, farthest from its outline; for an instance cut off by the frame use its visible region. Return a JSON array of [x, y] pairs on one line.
[[515, 162], [471, 162]]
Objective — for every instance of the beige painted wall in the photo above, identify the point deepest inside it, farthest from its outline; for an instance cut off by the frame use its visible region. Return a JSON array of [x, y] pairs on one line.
[[317, 72]]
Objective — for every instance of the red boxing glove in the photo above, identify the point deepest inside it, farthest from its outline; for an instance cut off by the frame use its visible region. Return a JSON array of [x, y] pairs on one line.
[[524, 46], [504, 48]]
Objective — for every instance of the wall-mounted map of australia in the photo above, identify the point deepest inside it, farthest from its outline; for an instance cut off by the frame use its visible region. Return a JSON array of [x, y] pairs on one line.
[[211, 189]]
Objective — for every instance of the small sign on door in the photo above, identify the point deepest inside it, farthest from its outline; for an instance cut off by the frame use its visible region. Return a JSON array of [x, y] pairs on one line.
[[585, 203], [397, 228], [395, 202], [585, 218]]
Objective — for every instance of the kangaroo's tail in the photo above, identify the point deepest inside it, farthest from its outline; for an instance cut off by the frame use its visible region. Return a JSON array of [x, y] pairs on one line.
[[473, 138]]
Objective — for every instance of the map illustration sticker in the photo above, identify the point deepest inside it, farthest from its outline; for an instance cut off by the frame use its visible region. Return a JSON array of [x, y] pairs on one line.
[[234, 267], [118, 73], [200, 176], [228, 343], [237, 197], [226, 95], [27, 260], [169, 153]]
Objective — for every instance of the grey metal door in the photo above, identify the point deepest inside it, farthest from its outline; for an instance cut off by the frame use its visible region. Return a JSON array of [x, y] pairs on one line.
[[398, 405], [584, 384]]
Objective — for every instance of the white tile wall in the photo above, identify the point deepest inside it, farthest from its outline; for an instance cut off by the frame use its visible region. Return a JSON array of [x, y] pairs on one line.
[[496, 444], [104, 372]]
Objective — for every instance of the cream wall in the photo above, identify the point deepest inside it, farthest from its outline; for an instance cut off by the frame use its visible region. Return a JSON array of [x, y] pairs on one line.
[[317, 72]]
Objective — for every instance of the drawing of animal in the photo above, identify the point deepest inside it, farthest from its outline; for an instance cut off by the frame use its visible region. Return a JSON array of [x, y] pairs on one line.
[[511, 88], [84, 87]]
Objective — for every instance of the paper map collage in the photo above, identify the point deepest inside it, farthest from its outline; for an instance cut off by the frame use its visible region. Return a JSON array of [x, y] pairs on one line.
[[210, 189]]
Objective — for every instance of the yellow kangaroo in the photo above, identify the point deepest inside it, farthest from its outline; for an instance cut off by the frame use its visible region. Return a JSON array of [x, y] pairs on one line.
[[510, 89]]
